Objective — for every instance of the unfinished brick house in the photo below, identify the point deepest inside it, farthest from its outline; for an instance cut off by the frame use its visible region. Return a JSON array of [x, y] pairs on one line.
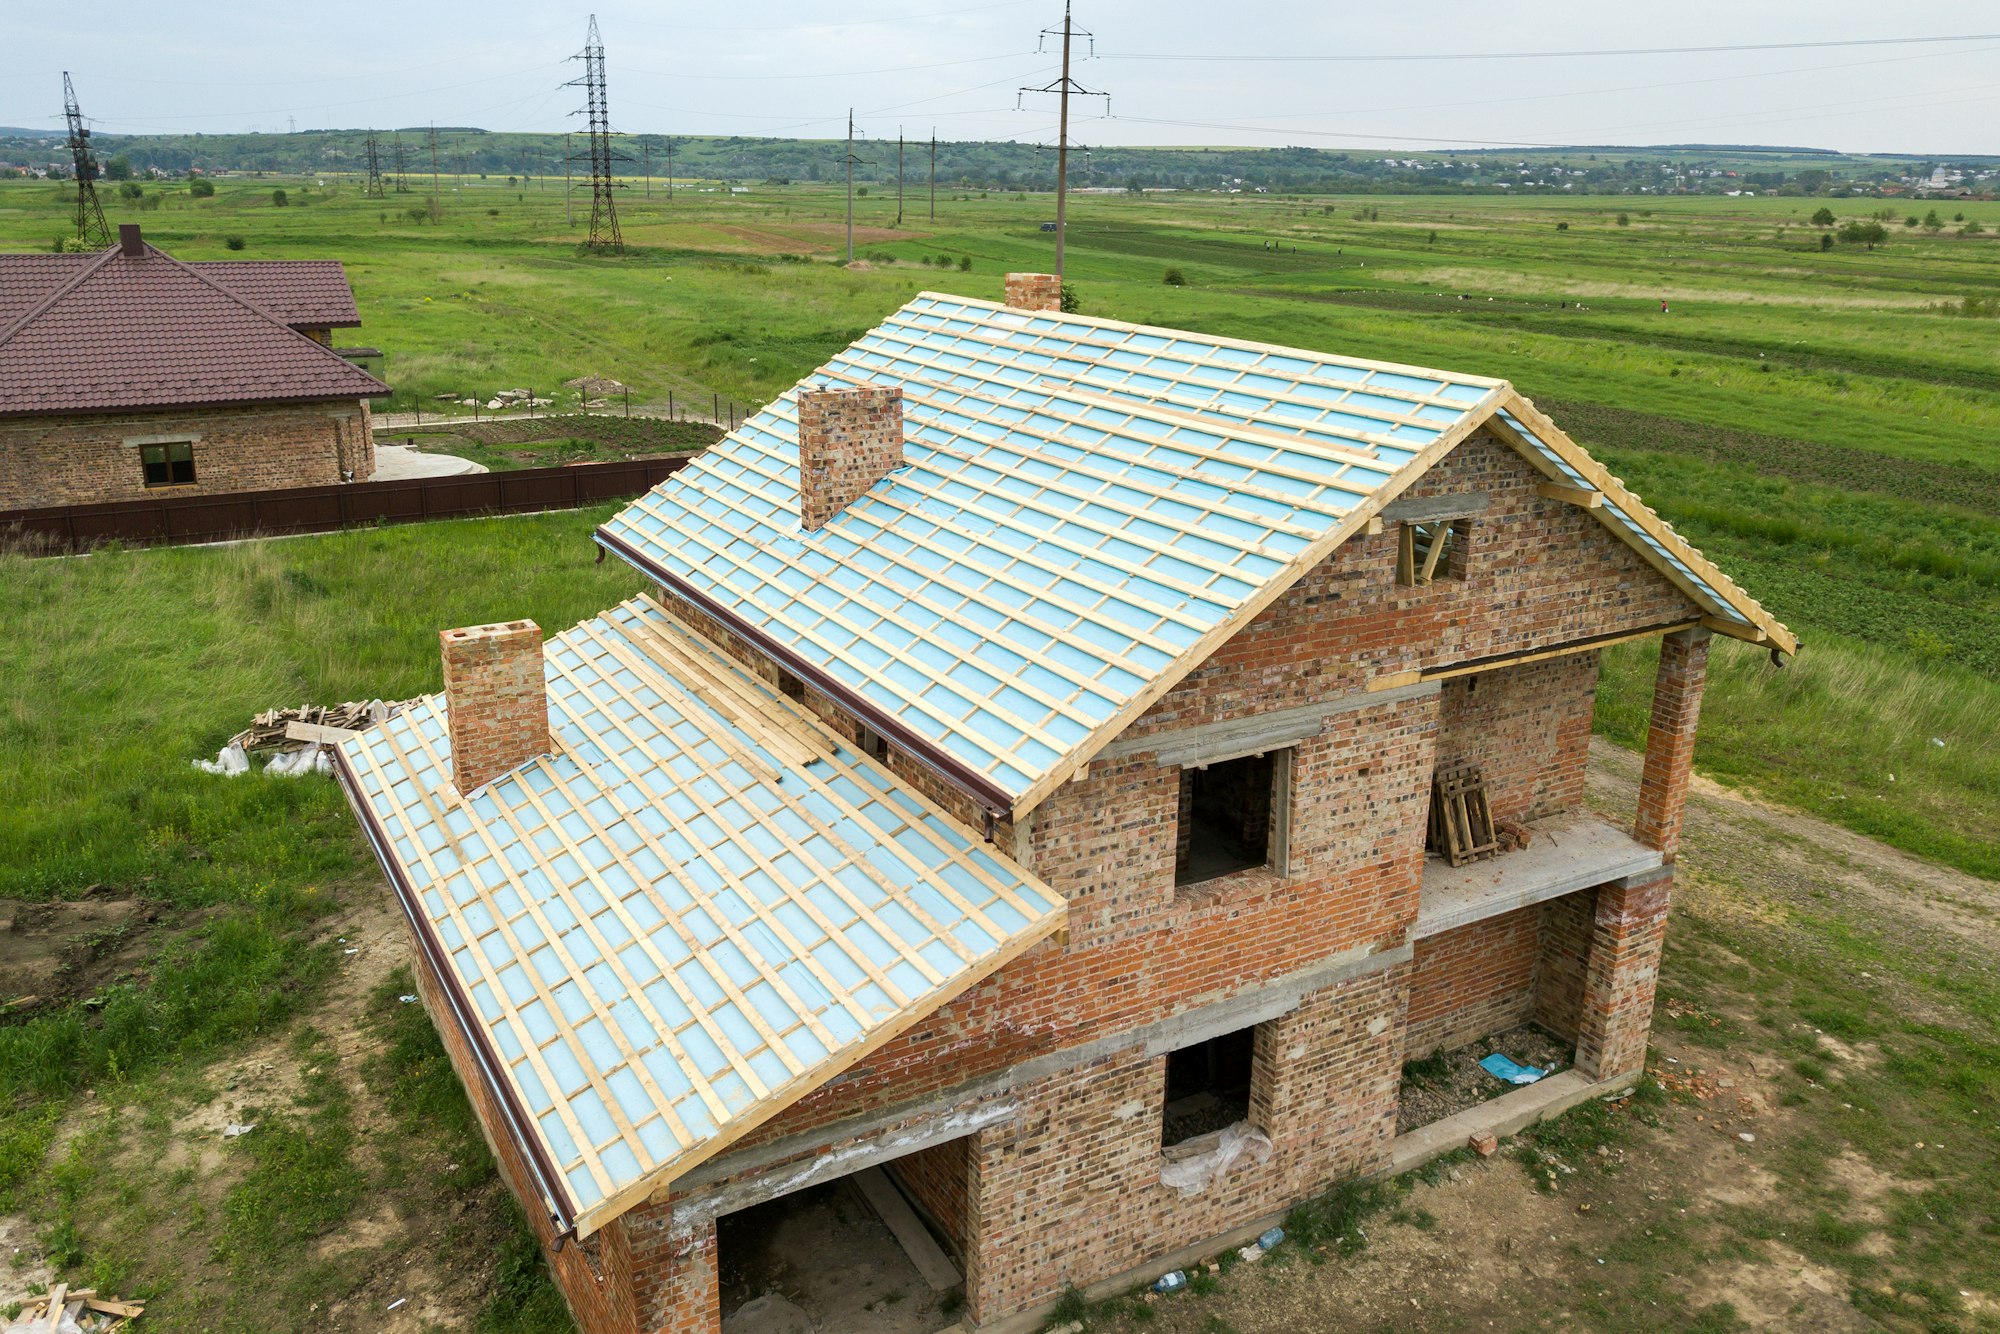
[[1018, 781], [130, 373]]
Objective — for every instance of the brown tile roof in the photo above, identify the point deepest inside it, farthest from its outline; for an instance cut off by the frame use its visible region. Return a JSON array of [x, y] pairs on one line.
[[304, 293], [147, 331], [27, 280]]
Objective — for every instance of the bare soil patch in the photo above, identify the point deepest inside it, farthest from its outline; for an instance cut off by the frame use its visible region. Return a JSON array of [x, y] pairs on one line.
[[62, 951]]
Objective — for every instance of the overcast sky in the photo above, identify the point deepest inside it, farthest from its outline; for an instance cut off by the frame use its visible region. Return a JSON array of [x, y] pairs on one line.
[[793, 67]]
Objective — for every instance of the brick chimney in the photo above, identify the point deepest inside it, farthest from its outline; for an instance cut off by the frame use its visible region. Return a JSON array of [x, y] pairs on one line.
[[128, 240], [497, 704], [1034, 291], [849, 439]]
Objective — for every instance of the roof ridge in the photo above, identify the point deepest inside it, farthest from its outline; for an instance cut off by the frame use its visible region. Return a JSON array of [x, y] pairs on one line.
[[1225, 340], [62, 290]]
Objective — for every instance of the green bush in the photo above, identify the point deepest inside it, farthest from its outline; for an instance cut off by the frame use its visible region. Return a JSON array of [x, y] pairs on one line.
[[233, 242], [279, 199], [1174, 278], [201, 188]]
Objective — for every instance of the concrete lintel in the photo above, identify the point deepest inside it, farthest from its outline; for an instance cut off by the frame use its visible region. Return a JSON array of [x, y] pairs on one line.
[[882, 1146], [1233, 738], [169, 438], [893, 1132], [1266, 1003], [1423, 509]]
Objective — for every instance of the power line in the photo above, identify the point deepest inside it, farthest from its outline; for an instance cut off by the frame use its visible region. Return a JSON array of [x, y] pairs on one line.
[[1065, 86], [1345, 58]]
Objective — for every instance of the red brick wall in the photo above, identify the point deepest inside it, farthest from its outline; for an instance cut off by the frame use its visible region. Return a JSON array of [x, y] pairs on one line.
[[1566, 927], [83, 460], [1528, 730], [1616, 1015], [1070, 1191], [1472, 981], [939, 1180], [1541, 574]]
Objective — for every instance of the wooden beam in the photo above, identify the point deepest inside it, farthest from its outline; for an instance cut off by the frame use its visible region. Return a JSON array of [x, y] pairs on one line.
[[1395, 680], [1756, 634], [317, 732], [1423, 509], [908, 1230], [1589, 498], [1560, 651]]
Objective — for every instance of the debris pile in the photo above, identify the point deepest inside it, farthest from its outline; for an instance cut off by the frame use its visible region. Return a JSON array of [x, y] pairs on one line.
[[515, 398], [61, 1311], [300, 740], [594, 386]]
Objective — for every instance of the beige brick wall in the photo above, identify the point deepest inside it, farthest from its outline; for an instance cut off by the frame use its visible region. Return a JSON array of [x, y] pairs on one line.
[[86, 460]]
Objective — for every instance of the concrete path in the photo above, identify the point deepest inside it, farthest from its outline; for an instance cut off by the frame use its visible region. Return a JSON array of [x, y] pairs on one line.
[[400, 463], [687, 411]]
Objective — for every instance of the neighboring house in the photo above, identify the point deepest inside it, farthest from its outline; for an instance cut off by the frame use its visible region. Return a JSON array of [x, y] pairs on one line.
[[1022, 770], [130, 373]]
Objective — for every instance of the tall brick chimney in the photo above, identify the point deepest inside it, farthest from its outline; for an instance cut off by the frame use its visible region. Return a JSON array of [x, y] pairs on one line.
[[1034, 291], [849, 439], [495, 699]]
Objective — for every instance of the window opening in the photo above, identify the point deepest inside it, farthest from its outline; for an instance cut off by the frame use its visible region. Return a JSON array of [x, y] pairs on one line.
[[1208, 1087], [1427, 550], [170, 464], [1229, 817]]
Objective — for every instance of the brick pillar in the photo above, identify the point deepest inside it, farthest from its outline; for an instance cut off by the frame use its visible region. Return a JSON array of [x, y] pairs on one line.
[[849, 439], [1670, 739], [498, 707], [674, 1284], [1034, 291], [1623, 972]]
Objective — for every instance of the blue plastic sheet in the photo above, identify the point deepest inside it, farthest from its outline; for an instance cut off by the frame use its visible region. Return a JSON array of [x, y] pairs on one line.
[[1507, 1072]]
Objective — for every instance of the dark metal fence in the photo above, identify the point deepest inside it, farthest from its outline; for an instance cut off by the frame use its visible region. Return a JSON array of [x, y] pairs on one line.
[[170, 520]]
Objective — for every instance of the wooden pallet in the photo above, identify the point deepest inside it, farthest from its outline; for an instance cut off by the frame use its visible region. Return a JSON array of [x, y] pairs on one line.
[[1461, 827]]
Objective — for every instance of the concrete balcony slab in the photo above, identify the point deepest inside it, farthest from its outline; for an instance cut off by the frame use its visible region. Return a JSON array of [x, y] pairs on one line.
[[1565, 853]]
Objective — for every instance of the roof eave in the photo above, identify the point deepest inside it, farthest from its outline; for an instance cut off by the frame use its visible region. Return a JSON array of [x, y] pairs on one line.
[[1756, 626]]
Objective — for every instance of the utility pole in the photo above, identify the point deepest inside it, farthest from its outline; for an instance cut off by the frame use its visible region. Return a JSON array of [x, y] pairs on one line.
[[670, 169], [850, 160], [374, 190], [1065, 86], [899, 176], [646, 148], [402, 166], [90, 225], [437, 206], [569, 218], [933, 173]]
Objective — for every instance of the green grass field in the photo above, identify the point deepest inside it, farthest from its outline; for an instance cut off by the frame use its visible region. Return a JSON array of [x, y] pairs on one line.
[[1821, 423]]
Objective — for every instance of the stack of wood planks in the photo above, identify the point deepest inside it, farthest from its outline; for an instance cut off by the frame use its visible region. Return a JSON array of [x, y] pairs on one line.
[[62, 1308], [323, 723]]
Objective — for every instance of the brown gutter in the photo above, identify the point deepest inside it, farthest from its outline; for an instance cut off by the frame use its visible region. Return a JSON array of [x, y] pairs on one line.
[[995, 800], [555, 1193]]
